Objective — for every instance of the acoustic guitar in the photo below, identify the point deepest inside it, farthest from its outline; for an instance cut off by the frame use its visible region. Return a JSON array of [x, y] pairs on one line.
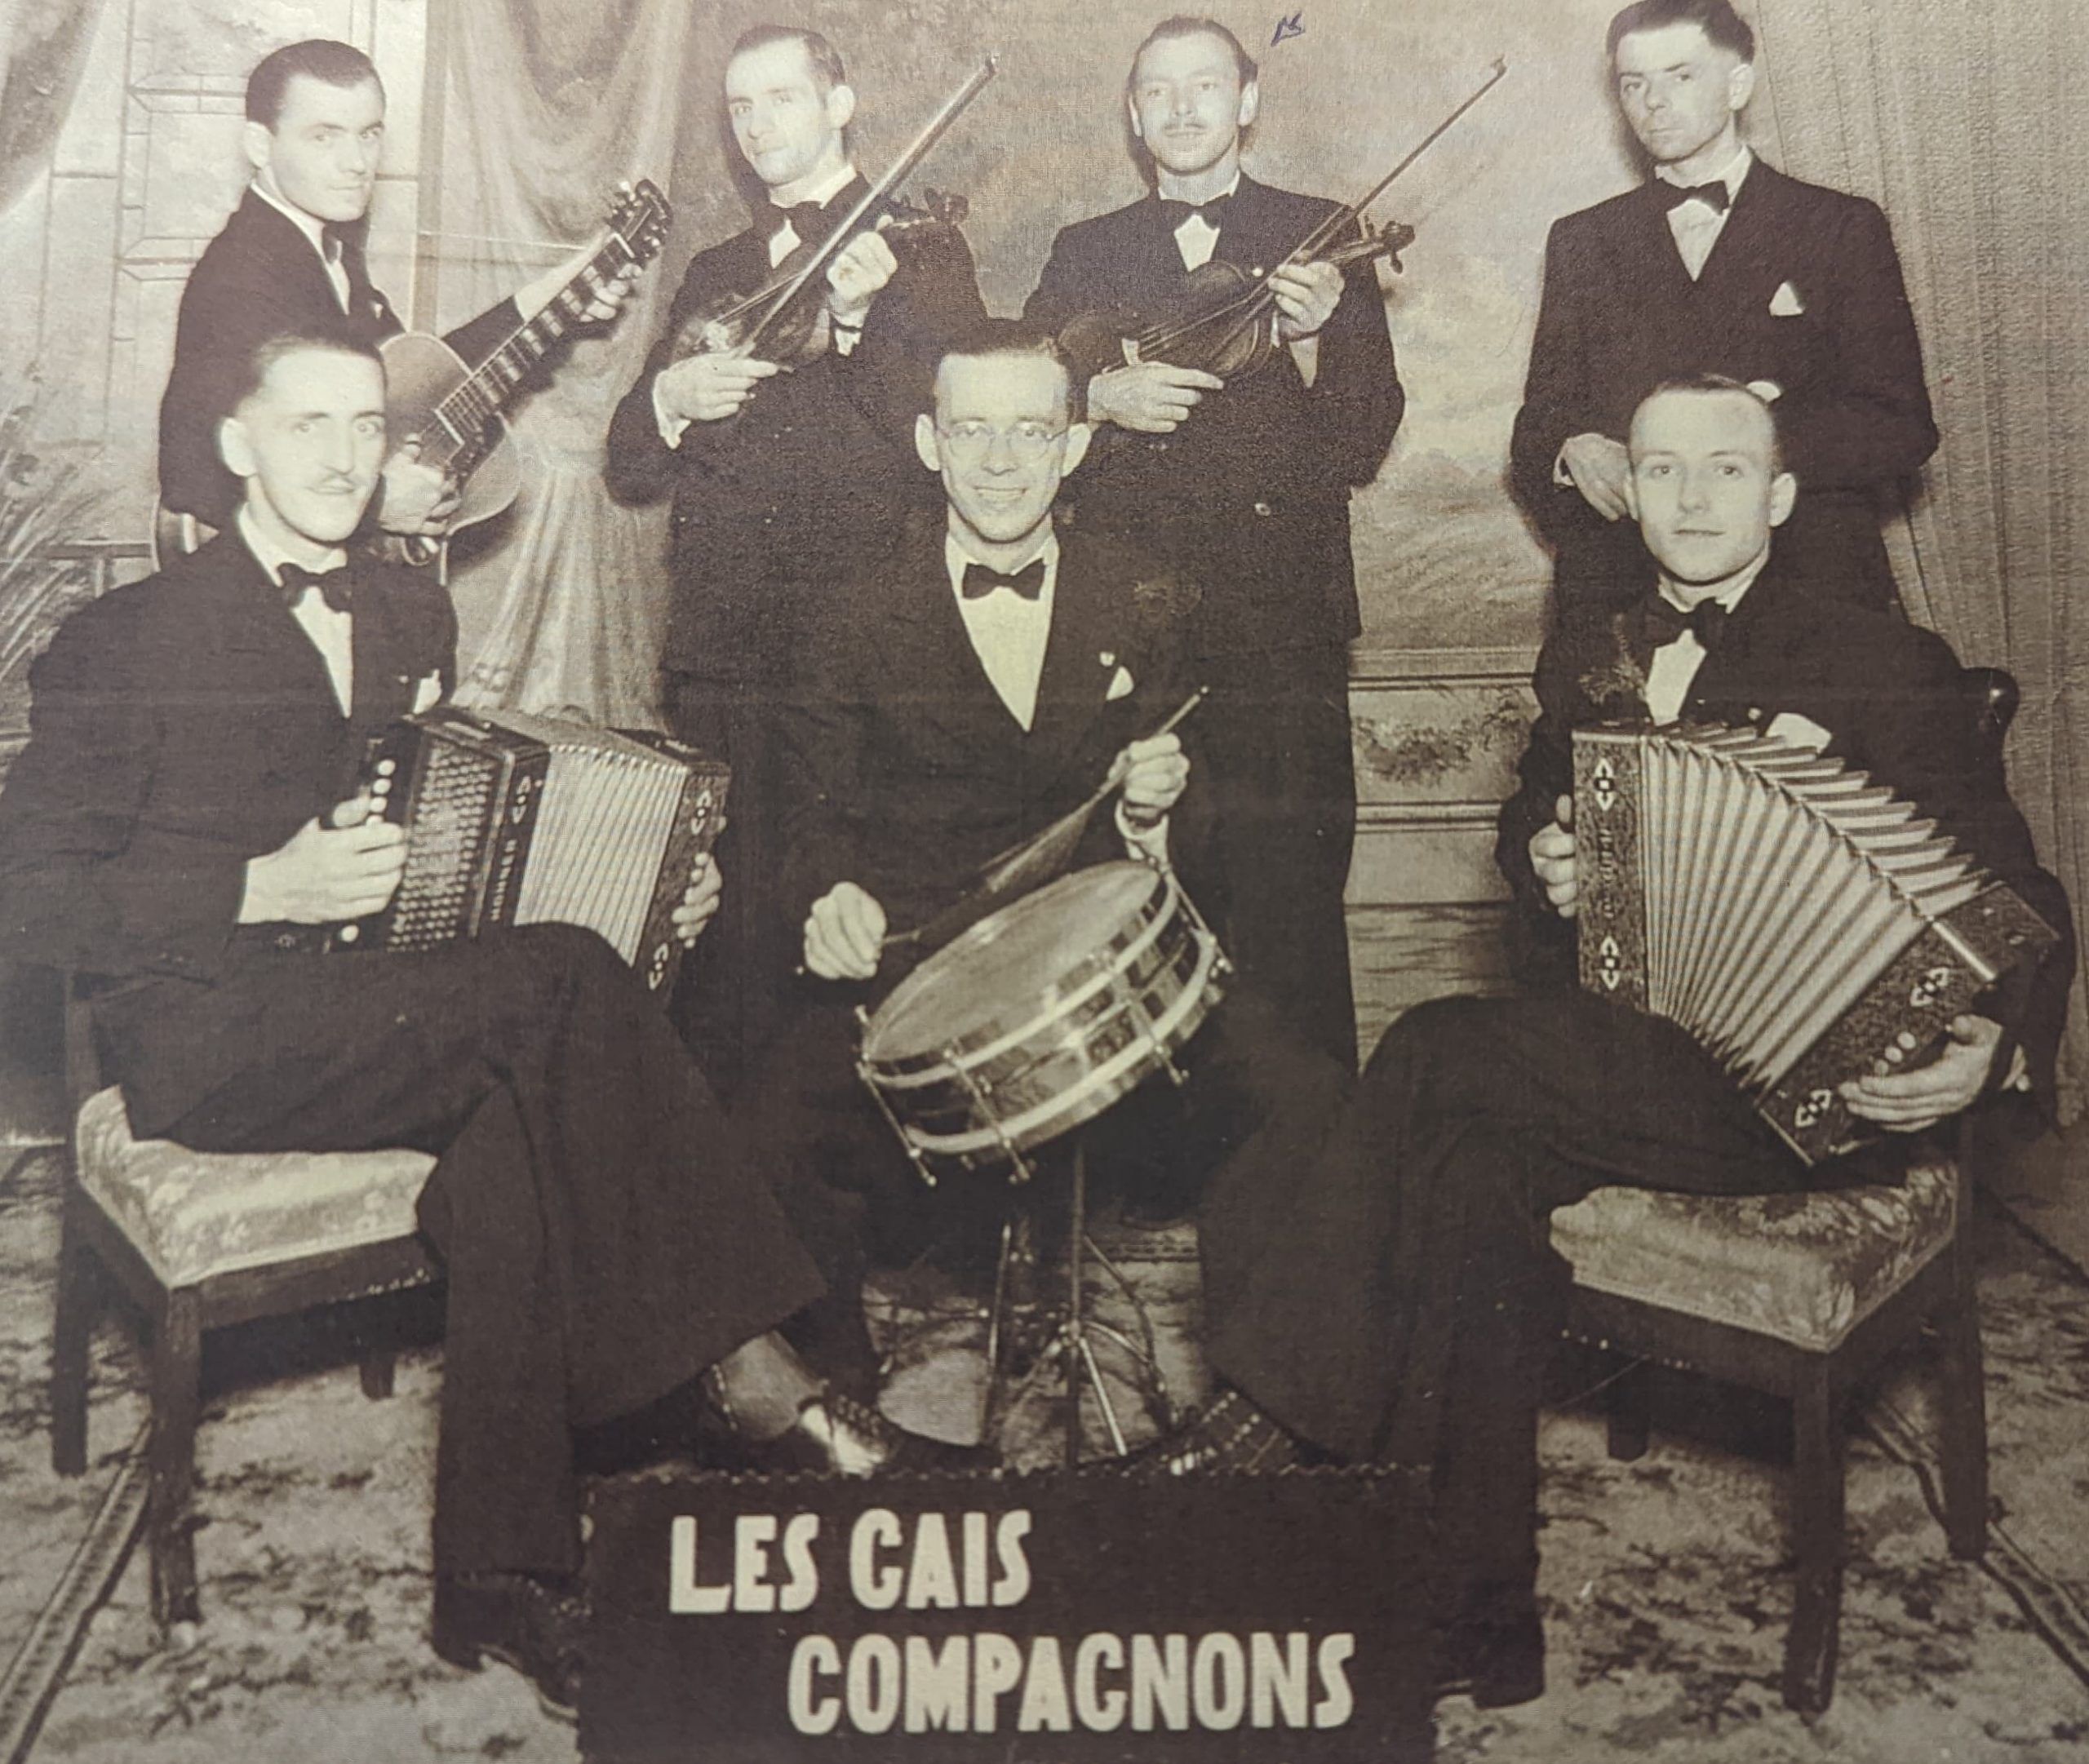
[[453, 409]]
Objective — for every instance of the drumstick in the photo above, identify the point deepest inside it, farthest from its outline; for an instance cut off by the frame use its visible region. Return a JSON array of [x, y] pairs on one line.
[[1043, 851]]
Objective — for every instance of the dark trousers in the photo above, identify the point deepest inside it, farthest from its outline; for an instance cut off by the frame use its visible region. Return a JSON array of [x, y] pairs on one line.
[[1275, 739], [728, 999], [603, 1235], [1398, 1298]]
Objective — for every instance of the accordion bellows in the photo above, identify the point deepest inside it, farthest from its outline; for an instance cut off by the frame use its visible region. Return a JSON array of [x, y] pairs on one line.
[[1805, 925], [516, 819]]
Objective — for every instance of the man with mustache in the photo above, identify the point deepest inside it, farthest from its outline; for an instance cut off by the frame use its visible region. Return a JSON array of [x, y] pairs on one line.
[[1244, 487]]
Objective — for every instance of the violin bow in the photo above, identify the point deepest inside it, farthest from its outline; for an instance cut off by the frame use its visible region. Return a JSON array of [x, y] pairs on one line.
[[916, 151], [1248, 308]]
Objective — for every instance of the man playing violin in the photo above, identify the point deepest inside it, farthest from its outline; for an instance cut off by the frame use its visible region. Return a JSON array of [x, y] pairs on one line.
[[782, 474], [291, 258], [1244, 486]]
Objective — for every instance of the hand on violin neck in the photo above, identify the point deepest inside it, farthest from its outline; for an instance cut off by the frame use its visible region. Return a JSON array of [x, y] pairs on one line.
[[1151, 397], [860, 268], [1305, 295], [709, 388]]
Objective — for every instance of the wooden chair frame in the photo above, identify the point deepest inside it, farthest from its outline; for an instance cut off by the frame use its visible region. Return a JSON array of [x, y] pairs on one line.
[[95, 1257]]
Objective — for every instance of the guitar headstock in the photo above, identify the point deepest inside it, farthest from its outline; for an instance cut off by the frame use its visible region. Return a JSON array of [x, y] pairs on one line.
[[638, 225]]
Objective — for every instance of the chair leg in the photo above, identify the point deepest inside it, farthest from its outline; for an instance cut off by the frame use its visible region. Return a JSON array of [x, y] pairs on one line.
[[378, 1370], [170, 1527], [1627, 1404], [79, 1302], [1963, 1449], [1817, 1456]]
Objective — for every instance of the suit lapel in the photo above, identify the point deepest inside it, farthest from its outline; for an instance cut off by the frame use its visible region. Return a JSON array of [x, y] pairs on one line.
[[930, 644], [1741, 252], [1072, 688]]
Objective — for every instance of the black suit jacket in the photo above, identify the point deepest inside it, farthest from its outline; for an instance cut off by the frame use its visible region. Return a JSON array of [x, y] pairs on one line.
[[813, 473], [1250, 495], [1621, 314], [180, 727], [904, 771], [1889, 694], [260, 276]]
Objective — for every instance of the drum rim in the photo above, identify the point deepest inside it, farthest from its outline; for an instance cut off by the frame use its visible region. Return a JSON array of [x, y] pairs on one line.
[[980, 1148], [1080, 981]]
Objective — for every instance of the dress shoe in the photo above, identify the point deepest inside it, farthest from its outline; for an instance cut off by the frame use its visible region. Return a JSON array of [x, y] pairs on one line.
[[1230, 1433], [1496, 1656], [536, 1625], [835, 1435]]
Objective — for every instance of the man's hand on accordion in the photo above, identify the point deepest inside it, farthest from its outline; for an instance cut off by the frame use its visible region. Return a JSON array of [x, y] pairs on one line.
[[345, 867], [699, 901], [1552, 860], [1908, 1101], [845, 934]]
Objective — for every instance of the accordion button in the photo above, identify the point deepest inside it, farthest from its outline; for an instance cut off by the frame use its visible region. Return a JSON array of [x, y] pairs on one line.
[[287, 940], [1264, 510], [1907, 1041], [349, 933]]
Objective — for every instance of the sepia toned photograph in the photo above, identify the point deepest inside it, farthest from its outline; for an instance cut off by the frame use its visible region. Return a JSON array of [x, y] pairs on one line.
[[1029, 882]]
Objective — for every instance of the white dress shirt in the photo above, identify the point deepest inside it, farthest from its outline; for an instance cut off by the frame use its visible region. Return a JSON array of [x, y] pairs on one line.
[[332, 633], [337, 272], [1010, 635], [1197, 238], [1675, 663], [1695, 226]]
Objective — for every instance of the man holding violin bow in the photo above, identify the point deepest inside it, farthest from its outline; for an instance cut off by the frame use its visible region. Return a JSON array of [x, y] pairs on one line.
[[1238, 474], [786, 451]]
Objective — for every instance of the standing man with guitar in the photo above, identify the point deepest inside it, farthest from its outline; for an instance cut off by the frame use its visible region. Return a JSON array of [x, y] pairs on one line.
[[1243, 486], [290, 258], [784, 480]]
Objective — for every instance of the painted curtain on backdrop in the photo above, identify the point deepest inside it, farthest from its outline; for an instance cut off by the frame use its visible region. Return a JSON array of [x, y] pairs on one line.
[[1966, 123], [43, 47], [546, 106]]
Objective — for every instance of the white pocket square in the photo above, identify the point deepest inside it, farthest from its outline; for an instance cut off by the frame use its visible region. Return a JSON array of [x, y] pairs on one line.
[[427, 694], [1120, 685], [1786, 302]]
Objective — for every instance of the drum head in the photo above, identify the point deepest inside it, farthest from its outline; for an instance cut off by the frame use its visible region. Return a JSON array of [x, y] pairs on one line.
[[1015, 955]]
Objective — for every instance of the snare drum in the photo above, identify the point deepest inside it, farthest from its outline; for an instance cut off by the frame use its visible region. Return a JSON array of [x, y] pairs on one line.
[[1040, 1017]]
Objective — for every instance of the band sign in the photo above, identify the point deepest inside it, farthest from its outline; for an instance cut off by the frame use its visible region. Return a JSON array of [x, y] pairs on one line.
[[1096, 1616]]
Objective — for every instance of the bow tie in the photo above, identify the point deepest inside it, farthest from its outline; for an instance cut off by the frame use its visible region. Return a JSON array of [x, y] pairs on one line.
[[1713, 195], [811, 221], [334, 585], [1027, 583], [1212, 212], [1661, 624]]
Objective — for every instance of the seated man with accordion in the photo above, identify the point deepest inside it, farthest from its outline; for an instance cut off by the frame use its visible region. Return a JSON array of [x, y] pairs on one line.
[[186, 831], [1404, 1291]]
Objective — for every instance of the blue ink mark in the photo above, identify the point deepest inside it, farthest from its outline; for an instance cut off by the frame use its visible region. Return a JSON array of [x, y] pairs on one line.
[[1293, 26]]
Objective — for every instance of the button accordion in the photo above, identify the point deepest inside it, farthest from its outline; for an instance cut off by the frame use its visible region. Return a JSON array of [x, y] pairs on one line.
[[516, 819], [1805, 925]]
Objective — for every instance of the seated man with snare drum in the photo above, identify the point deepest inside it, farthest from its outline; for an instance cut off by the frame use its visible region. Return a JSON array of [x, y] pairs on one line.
[[993, 673]]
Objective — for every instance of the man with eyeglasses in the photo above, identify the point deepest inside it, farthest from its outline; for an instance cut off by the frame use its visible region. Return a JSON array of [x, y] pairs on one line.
[[969, 693], [779, 478], [1244, 486]]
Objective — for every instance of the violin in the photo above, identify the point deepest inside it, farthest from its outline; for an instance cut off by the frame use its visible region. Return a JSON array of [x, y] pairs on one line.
[[1223, 317], [784, 319], [792, 327]]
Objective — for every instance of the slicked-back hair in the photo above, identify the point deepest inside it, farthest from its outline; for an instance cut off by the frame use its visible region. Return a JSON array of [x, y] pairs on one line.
[[995, 337], [825, 59], [317, 58], [1717, 18], [1186, 24], [246, 374], [1722, 382]]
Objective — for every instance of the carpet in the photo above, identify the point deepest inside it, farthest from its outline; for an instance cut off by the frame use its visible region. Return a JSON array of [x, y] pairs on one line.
[[1666, 1582]]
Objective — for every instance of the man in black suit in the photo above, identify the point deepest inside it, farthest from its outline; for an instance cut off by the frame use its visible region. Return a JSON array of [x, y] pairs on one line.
[[183, 828], [783, 481], [1720, 263], [1398, 1302], [1244, 487], [292, 258], [972, 690]]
